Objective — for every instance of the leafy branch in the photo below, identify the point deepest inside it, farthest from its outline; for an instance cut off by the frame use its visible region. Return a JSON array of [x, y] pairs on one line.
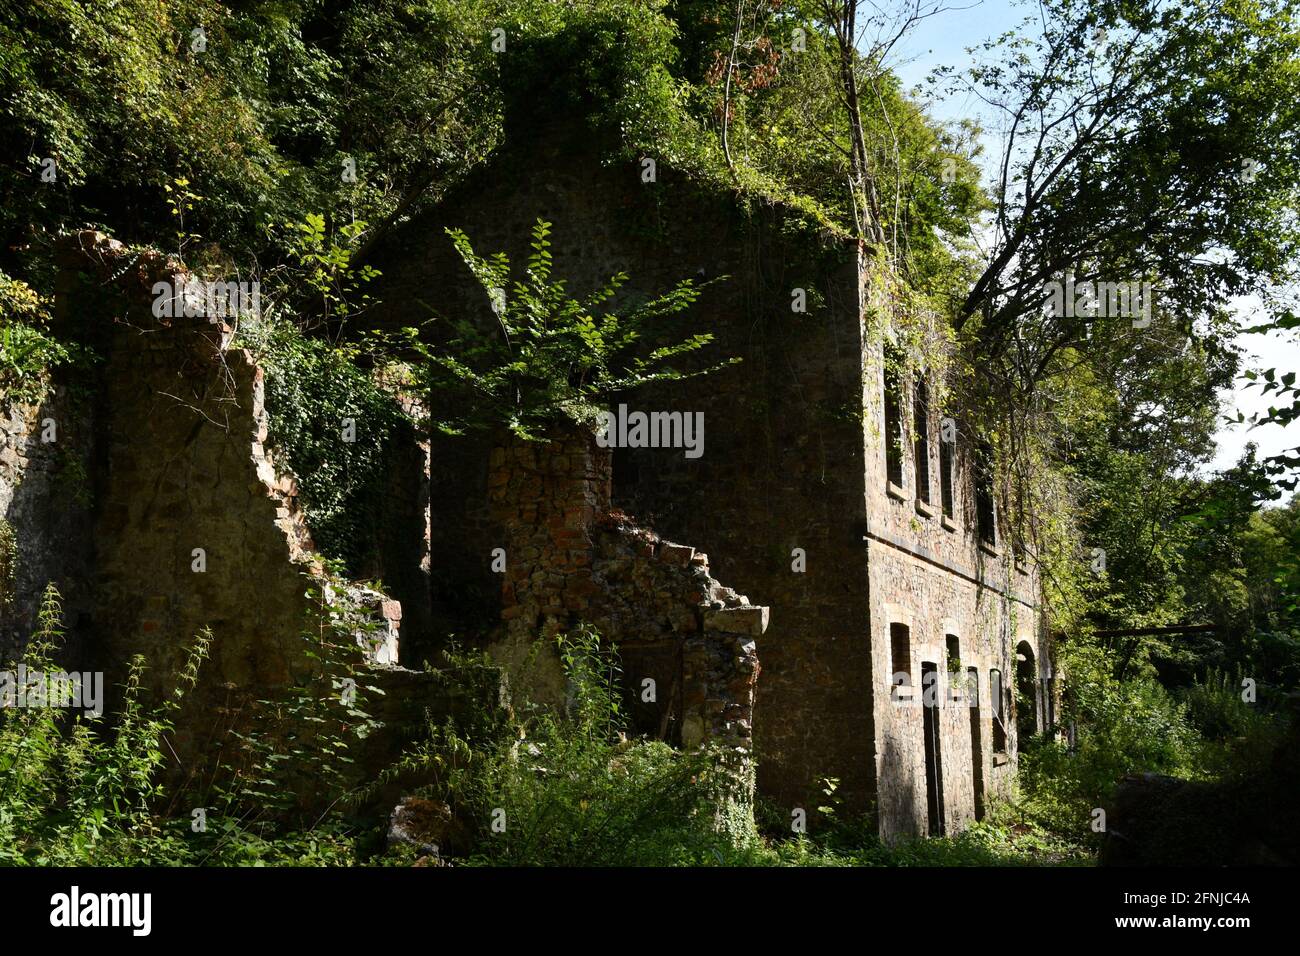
[[548, 357]]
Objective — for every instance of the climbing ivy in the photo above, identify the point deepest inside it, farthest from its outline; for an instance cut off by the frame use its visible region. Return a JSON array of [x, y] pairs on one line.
[[332, 423], [27, 351]]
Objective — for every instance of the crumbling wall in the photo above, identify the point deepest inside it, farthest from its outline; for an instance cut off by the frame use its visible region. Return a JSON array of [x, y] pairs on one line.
[[45, 498], [194, 525], [782, 462], [569, 559], [680, 628]]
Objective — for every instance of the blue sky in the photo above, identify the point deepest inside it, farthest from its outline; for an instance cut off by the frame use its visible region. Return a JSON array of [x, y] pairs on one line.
[[943, 40]]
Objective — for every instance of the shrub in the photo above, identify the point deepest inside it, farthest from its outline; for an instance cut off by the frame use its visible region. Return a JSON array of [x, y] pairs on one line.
[[1216, 709], [548, 358], [1122, 727], [79, 790], [1241, 737], [334, 425], [73, 789], [27, 351], [573, 789]]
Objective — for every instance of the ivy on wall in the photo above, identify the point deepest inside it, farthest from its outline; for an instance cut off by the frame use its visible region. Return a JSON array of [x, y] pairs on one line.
[[27, 352], [334, 428]]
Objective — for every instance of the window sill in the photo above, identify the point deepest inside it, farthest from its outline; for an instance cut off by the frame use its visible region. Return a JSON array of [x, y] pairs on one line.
[[895, 492], [992, 550], [1001, 758], [924, 509], [948, 524]]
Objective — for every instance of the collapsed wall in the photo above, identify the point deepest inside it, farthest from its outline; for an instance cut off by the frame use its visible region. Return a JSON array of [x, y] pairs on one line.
[[687, 645], [184, 520], [194, 525], [187, 523]]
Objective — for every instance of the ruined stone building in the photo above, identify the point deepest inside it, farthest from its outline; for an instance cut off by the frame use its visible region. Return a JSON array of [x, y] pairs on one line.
[[801, 588], [869, 564], [144, 490]]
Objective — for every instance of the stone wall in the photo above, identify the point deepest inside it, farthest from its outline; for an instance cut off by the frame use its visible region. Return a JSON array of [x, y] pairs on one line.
[[570, 560], [186, 521], [45, 499], [931, 575], [194, 525], [1243, 820], [782, 462]]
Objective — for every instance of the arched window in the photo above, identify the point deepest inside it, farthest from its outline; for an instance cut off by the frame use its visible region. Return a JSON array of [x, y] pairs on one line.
[[955, 679], [1026, 691]]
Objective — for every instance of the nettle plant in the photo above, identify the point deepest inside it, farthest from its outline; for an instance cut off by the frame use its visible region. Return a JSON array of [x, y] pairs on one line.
[[549, 358]]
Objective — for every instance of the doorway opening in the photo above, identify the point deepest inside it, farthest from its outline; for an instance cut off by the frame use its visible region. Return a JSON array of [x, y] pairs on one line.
[[976, 741], [1026, 692], [933, 755]]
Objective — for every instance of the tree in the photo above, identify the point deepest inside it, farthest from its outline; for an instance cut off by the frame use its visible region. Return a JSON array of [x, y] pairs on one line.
[[547, 359], [1142, 141]]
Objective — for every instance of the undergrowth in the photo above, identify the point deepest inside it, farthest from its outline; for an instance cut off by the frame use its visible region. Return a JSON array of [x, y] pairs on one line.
[[571, 787]]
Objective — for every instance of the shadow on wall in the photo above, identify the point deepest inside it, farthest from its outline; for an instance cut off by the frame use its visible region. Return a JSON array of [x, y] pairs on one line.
[[897, 795], [46, 496]]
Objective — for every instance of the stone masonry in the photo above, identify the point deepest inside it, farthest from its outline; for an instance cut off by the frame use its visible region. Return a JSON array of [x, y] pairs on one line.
[[182, 520], [44, 516], [790, 498], [570, 559]]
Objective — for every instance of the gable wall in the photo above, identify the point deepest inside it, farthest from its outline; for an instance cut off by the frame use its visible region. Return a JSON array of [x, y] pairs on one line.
[[781, 467]]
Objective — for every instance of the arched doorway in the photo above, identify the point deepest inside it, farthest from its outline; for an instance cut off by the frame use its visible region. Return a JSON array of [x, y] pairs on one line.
[[1026, 691]]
